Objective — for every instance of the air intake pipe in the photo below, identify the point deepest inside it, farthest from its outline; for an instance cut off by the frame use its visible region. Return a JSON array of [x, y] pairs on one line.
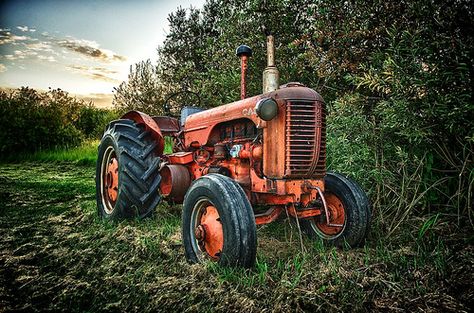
[[244, 53]]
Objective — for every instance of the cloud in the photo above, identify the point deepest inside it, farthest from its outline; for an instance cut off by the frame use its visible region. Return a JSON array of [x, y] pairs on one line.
[[20, 55], [3, 68], [7, 37], [90, 49], [49, 58], [46, 44], [95, 72], [102, 100], [92, 69], [99, 76], [40, 47], [26, 29]]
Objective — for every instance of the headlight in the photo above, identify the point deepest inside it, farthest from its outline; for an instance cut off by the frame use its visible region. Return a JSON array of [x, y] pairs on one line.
[[266, 108]]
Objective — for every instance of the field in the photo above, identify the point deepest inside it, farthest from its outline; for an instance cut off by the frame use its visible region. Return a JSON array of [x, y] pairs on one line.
[[56, 255]]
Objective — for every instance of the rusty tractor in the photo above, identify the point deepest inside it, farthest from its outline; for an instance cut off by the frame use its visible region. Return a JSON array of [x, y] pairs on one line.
[[233, 167]]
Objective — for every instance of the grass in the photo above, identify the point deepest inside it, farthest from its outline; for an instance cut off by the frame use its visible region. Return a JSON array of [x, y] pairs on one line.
[[56, 255], [85, 154]]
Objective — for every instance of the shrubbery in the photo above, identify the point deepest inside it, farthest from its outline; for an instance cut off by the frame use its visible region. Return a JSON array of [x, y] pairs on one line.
[[32, 120], [397, 77]]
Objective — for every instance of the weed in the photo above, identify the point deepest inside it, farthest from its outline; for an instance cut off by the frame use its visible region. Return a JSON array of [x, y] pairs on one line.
[[427, 225]]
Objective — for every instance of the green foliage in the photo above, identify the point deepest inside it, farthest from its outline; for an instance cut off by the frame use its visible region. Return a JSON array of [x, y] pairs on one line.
[[141, 91], [32, 121], [92, 120], [397, 78]]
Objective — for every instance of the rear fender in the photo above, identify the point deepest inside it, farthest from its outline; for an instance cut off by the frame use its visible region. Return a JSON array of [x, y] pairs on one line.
[[150, 125]]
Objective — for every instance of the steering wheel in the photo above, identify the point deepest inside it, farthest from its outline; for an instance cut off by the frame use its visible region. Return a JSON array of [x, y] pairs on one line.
[[167, 108]]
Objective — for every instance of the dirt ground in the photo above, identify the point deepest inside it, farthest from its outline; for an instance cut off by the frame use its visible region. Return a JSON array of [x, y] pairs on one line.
[[56, 255]]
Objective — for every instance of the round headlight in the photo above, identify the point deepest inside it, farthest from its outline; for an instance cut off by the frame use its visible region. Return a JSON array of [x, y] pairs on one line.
[[266, 108]]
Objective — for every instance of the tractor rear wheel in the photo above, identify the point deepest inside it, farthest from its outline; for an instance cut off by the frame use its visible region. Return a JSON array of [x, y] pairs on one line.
[[218, 223], [127, 176], [349, 213]]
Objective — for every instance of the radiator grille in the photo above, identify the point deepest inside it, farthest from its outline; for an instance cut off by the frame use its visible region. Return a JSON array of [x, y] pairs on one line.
[[305, 133]]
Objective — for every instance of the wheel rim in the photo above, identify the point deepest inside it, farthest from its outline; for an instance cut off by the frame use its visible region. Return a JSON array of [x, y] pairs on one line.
[[206, 230], [337, 215], [109, 180]]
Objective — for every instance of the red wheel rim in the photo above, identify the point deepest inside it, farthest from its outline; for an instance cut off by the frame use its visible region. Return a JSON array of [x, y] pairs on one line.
[[109, 180], [336, 214], [208, 232]]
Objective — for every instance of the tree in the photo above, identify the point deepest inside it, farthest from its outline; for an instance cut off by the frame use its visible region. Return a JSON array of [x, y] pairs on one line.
[[396, 75], [141, 91]]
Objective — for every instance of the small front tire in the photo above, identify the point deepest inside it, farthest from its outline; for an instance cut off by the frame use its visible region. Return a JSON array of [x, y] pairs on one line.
[[218, 223], [348, 206]]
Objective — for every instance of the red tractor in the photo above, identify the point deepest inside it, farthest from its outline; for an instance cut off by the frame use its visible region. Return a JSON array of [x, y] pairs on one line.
[[267, 151]]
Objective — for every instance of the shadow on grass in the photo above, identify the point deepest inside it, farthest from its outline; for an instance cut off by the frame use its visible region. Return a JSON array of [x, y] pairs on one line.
[[55, 254]]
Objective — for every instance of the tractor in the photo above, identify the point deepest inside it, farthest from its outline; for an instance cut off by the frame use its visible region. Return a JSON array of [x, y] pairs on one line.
[[233, 167]]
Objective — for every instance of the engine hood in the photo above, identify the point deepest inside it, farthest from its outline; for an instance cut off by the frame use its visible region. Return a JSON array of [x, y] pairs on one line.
[[198, 126]]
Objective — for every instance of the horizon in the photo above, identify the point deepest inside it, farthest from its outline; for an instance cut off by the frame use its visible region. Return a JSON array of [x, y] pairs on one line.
[[85, 48]]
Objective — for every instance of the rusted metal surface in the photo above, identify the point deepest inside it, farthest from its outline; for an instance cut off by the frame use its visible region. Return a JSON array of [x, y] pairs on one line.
[[303, 213], [335, 215], [305, 140], [270, 51], [269, 216], [111, 179], [167, 125], [150, 125], [220, 151], [180, 158], [244, 53], [200, 125], [108, 179], [209, 232], [271, 76], [175, 181], [243, 74]]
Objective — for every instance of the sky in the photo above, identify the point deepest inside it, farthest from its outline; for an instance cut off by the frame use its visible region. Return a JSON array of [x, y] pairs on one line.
[[83, 47]]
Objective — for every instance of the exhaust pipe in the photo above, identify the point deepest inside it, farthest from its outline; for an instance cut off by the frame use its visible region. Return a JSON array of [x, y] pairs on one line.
[[271, 76]]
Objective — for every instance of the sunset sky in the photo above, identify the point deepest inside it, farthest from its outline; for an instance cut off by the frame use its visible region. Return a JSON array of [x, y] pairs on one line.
[[84, 47]]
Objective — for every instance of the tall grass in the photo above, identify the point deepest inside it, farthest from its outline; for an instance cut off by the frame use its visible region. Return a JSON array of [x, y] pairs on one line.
[[85, 154]]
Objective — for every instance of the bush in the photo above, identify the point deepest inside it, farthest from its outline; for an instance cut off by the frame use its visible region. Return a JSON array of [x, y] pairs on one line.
[[92, 120], [397, 77], [32, 120]]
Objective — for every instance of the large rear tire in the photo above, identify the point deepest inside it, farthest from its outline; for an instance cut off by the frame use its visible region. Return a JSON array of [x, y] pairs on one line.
[[218, 223], [127, 176], [348, 206]]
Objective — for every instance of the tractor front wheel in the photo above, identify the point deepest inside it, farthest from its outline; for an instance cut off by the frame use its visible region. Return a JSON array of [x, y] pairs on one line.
[[348, 213], [218, 223], [127, 176]]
